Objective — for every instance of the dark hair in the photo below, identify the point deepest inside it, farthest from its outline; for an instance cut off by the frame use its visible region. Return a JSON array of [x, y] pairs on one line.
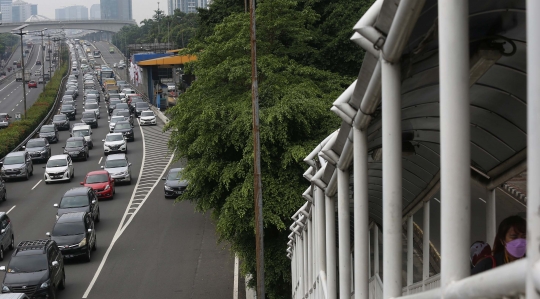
[[517, 222]]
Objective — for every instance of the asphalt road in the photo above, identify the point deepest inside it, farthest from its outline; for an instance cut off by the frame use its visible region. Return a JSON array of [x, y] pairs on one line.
[[147, 246]]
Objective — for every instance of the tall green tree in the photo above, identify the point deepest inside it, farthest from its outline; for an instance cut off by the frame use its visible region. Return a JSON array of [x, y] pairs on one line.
[[211, 127]]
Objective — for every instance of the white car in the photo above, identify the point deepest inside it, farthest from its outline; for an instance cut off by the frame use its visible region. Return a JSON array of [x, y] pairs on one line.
[[114, 143], [58, 168], [147, 118]]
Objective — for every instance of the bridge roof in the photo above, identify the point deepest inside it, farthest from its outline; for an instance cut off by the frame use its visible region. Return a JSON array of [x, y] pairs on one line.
[[168, 61]]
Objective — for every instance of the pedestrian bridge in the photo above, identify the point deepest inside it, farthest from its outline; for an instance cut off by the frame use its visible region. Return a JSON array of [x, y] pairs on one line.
[[99, 25], [443, 117]]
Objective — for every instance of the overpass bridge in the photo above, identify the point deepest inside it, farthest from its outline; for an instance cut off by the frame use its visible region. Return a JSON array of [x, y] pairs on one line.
[[100, 25]]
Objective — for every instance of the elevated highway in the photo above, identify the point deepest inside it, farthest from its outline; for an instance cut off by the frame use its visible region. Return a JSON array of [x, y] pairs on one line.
[[102, 25]]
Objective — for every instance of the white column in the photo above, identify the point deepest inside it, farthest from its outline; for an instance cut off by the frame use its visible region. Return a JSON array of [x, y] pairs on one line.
[[425, 243], [392, 198], [361, 215], [306, 263], [300, 271], [376, 249], [321, 240], [410, 261], [293, 268], [344, 231], [491, 213], [310, 254], [533, 143], [455, 139], [330, 213]]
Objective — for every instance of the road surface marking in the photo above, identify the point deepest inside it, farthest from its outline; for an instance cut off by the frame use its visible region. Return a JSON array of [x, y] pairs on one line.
[[36, 185], [235, 284], [99, 160], [17, 105], [13, 109], [10, 209]]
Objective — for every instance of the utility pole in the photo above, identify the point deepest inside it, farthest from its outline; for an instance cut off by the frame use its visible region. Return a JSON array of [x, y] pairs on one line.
[[19, 31], [257, 185], [50, 61]]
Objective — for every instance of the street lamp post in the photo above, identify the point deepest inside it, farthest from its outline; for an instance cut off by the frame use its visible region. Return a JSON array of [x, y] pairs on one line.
[[19, 31]]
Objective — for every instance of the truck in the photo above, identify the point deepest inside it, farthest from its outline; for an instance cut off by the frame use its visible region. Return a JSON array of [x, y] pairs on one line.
[[27, 75], [19, 75], [111, 50]]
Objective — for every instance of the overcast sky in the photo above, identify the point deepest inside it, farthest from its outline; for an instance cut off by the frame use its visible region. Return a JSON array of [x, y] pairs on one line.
[[142, 9]]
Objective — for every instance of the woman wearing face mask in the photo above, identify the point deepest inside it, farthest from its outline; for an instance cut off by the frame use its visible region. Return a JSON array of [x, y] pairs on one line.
[[509, 244]]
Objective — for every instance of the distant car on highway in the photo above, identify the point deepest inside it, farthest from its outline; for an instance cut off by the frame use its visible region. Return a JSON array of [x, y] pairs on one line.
[[102, 183], [147, 118], [175, 184], [119, 168], [125, 128], [69, 111], [17, 165], [79, 199], [4, 120], [75, 235], [114, 143], [77, 148], [38, 149], [41, 80], [50, 132], [58, 168], [38, 62], [61, 121], [32, 84]]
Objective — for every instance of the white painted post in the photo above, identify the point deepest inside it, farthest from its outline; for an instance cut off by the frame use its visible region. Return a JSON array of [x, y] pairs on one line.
[[455, 139], [300, 276], [293, 268], [392, 198], [361, 215], [376, 248], [410, 261], [425, 243], [309, 255], [321, 240], [533, 144], [330, 214], [491, 221], [306, 263], [344, 234]]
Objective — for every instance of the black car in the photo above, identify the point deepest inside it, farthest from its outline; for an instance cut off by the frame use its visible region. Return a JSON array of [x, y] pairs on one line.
[[50, 132], [125, 128], [122, 106], [90, 118], [36, 269], [69, 111], [61, 121], [134, 100], [79, 199], [140, 107], [75, 235], [38, 149], [174, 183], [77, 148], [112, 105]]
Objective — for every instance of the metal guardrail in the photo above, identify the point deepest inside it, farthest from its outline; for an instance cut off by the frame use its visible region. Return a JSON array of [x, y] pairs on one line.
[[47, 117]]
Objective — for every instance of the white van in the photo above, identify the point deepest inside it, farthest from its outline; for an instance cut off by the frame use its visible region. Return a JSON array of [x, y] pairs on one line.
[[83, 130]]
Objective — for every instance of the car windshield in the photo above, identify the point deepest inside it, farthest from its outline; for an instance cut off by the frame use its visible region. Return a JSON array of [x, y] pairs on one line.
[[114, 138], [68, 229], [142, 105], [123, 113], [59, 117], [174, 176], [28, 263], [147, 113], [97, 178], [88, 115], [10, 160], [77, 143], [91, 106], [92, 91], [47, 129], [66, 108], [115, 163], [123, 126], [56, 163], [115, 119], [35, 143], [76, 201]]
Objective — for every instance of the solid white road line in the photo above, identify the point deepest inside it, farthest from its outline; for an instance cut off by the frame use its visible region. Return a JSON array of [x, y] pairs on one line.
[[10, 209], [36, 185], [99, 160], [235, 283]]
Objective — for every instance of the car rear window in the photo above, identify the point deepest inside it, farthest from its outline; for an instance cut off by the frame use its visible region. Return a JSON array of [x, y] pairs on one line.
[[68, 229], [74, 201]]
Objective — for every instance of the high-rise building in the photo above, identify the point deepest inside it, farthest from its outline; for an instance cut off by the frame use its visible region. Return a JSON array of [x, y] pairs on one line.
[[20, 11], [116, 9], [187, 6], [95, 12], [75, 12], [5, 8]]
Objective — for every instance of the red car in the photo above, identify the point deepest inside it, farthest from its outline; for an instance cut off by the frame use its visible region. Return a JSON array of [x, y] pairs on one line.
[[32, 83], [101, 182]]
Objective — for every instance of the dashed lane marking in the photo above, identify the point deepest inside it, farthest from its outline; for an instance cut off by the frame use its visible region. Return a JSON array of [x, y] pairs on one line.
[[10, 209]]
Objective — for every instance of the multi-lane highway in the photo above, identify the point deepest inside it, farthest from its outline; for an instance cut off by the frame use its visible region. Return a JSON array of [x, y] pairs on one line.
[[147, 246]]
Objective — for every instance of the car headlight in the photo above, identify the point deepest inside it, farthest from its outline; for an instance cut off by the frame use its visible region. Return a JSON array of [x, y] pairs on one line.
[[168, 188], [107, 187], [82, 243], [45, 284]]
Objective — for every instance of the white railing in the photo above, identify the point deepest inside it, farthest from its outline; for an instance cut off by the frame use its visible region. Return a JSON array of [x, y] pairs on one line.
[[428, 284], [317, 291], [375, 287]]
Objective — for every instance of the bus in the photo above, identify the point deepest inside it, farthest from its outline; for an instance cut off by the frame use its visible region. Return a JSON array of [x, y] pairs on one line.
[[97, 54]]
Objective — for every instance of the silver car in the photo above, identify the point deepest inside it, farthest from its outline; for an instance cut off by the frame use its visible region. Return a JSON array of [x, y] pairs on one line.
[[92, 107], [119, 168], [17, 165]]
